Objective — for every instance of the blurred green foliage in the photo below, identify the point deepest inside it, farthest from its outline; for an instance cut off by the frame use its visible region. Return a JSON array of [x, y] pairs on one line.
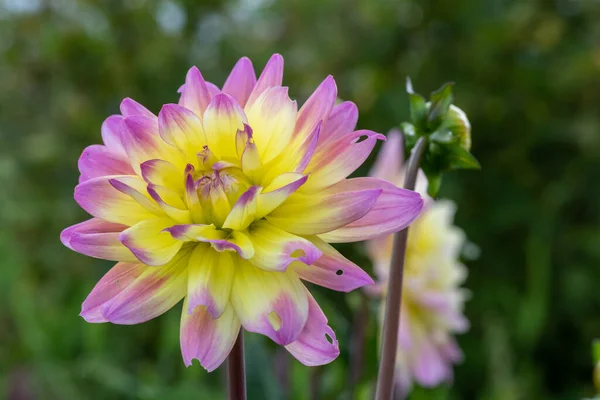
[[527, 74]]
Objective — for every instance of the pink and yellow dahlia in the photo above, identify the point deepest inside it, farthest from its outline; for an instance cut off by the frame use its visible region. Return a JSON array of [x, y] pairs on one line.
[[432, 300], [228, 200]]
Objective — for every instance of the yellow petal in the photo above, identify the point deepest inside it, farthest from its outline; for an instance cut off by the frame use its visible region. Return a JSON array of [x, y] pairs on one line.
[[149, 241], [244, 211], [222, 119], [210, 279], [275, 248], [271, 303], [272, 118]]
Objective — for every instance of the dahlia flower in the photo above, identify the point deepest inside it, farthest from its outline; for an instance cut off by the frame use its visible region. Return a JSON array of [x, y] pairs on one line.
[[432, 301], [228, 200]]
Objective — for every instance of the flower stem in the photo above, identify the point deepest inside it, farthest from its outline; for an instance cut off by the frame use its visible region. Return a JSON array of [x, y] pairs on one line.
[[236, 374], [391, 322]]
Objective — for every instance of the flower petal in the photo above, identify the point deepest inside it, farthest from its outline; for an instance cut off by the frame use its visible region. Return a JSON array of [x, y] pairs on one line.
[[317, 107], [272, 75], [429, 368], [341, 121], [388, 165], [116, 280], [149, 241], [306, 149], [191, 197], [241, 81], [278, 191], [317, 344], [220, 240], [97, 238], [183, 129], [196, 232], [252, 165], [222, 119], [131, 108], [97, 160], [272, 117], [162, 173], [170, 202], [142, 142], [271, 303], [332, 270], [111, 134], [214, 201], [237, 241], [333, 208], [275, 248], [244, 211], [394, 210], [206, 339], [99, 198], [451, 351], [213, 89], [336, 160], [210, 278], [296, 157], [195, 95], [135, 188], [151, 294]]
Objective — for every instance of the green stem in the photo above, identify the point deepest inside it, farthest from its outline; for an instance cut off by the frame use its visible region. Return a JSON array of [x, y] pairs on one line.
[[391, 322]]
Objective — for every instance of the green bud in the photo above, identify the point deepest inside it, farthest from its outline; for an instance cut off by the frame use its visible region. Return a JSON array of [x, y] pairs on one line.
[[458, 123], [455, 128], [448, 133]]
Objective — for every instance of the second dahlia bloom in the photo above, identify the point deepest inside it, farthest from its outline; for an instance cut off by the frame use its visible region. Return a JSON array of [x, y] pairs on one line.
[[432, 300], [228, 200]]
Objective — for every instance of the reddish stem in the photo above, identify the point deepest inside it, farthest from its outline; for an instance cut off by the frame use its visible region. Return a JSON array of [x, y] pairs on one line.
[[391, 322]]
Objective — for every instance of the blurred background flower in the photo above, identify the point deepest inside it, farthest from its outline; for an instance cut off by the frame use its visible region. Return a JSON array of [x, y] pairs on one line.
[[432, 300], [527, 74]]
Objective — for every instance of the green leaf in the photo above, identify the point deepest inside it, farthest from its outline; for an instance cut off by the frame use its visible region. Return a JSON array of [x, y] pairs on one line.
[[462, 159], [434, 183], [440, 104], [418, 107]]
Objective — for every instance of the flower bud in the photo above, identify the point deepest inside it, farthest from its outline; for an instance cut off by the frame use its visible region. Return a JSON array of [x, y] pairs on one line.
[[458, 124], [447, 130]]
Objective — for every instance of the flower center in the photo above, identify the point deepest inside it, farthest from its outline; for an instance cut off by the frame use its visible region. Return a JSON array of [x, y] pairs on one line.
[[217, 186], [230, 182]]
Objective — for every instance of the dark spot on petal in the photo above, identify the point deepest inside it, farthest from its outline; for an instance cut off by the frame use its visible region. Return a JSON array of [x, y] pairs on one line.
[[339, 272]]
